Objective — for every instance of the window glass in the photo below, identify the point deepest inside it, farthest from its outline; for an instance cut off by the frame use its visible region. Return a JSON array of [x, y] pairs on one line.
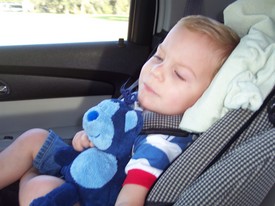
[[62, 21]]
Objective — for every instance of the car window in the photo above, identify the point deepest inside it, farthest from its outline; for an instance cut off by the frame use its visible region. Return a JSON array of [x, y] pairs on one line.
[[62, 21]]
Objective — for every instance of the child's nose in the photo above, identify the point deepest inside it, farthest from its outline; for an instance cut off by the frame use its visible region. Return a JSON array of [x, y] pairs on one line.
[[158, 72]]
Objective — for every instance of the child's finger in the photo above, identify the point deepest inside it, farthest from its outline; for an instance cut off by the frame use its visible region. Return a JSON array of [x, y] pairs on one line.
[[80, 141]]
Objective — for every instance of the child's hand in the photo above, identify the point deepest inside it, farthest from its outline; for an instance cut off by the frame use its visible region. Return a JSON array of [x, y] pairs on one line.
[[81, 141]]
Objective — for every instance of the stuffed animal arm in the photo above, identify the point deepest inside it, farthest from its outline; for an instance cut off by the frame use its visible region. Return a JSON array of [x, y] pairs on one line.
[[95, 176]]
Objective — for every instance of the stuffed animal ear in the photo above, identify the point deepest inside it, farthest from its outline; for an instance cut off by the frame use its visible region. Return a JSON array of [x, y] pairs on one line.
[[131, 120]]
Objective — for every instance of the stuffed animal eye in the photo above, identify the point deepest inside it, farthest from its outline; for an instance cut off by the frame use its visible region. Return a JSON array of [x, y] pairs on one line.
[[92, 116]]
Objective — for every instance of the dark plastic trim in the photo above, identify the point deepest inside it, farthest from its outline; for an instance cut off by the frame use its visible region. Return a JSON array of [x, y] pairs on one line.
[[141, 21]]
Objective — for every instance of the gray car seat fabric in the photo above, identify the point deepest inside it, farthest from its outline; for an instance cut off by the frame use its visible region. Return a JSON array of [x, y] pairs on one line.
[[243, 177], [249, 157]]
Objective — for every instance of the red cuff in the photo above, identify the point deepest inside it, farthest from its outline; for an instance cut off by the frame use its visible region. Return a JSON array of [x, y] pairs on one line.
[[140, 177]]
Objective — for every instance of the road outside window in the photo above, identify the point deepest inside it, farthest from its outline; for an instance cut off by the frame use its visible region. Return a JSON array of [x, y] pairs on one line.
[[62, 21]]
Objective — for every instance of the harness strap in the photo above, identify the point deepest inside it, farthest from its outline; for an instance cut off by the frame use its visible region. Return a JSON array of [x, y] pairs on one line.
[[155, 123], [271, 111]]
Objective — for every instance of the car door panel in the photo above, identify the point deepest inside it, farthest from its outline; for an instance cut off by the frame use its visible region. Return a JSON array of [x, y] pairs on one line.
[[106, 62], [51, 86], [60, 114], [19, 87]]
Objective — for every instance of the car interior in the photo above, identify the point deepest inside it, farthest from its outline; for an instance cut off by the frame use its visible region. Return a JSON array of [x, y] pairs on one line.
[[52, 85]]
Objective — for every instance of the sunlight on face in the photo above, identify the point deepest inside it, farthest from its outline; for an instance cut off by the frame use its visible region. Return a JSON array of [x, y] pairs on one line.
[[176, 76]]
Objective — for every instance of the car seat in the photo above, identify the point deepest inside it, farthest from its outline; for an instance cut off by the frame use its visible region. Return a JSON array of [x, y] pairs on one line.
[[232, 163]]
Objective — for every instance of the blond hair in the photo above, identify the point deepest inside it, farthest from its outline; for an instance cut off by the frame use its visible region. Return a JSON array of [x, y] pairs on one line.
[[223, 36]]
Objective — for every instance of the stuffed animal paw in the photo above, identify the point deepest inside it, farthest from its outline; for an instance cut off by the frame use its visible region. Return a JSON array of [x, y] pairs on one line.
[[97, 174]]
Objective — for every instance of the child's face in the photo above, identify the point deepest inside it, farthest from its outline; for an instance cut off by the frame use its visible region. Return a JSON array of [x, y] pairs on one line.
[[176, 76]]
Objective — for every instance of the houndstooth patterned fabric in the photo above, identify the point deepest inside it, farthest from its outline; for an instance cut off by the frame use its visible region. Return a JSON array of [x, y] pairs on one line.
[[255, 127], [194, 160], [162, 124], [157, 120], [242, 177], [187, 168]]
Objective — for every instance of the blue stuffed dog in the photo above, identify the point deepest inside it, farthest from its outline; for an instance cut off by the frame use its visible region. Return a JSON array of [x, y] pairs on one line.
[[95, 176]]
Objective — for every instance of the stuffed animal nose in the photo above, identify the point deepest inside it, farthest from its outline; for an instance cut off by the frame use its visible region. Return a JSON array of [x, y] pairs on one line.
[[92, 116]]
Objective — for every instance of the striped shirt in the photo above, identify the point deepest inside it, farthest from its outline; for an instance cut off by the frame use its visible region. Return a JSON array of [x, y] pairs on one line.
[[151, 155]]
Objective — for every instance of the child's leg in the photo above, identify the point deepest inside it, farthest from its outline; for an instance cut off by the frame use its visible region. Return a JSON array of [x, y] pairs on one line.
[[33, 186], [17, 158]]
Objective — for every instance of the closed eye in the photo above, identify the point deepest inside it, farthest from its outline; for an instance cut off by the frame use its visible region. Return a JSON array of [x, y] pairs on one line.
[[181, 77], [158, 58]]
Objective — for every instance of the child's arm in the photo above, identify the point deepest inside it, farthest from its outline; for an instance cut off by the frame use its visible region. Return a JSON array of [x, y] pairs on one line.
[[132, 195]]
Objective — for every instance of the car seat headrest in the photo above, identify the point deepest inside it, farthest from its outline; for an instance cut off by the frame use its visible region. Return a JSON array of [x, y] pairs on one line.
[[247, 76]]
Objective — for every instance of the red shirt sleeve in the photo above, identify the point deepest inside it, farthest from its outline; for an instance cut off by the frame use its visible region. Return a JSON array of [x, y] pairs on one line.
[[140, 177]]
